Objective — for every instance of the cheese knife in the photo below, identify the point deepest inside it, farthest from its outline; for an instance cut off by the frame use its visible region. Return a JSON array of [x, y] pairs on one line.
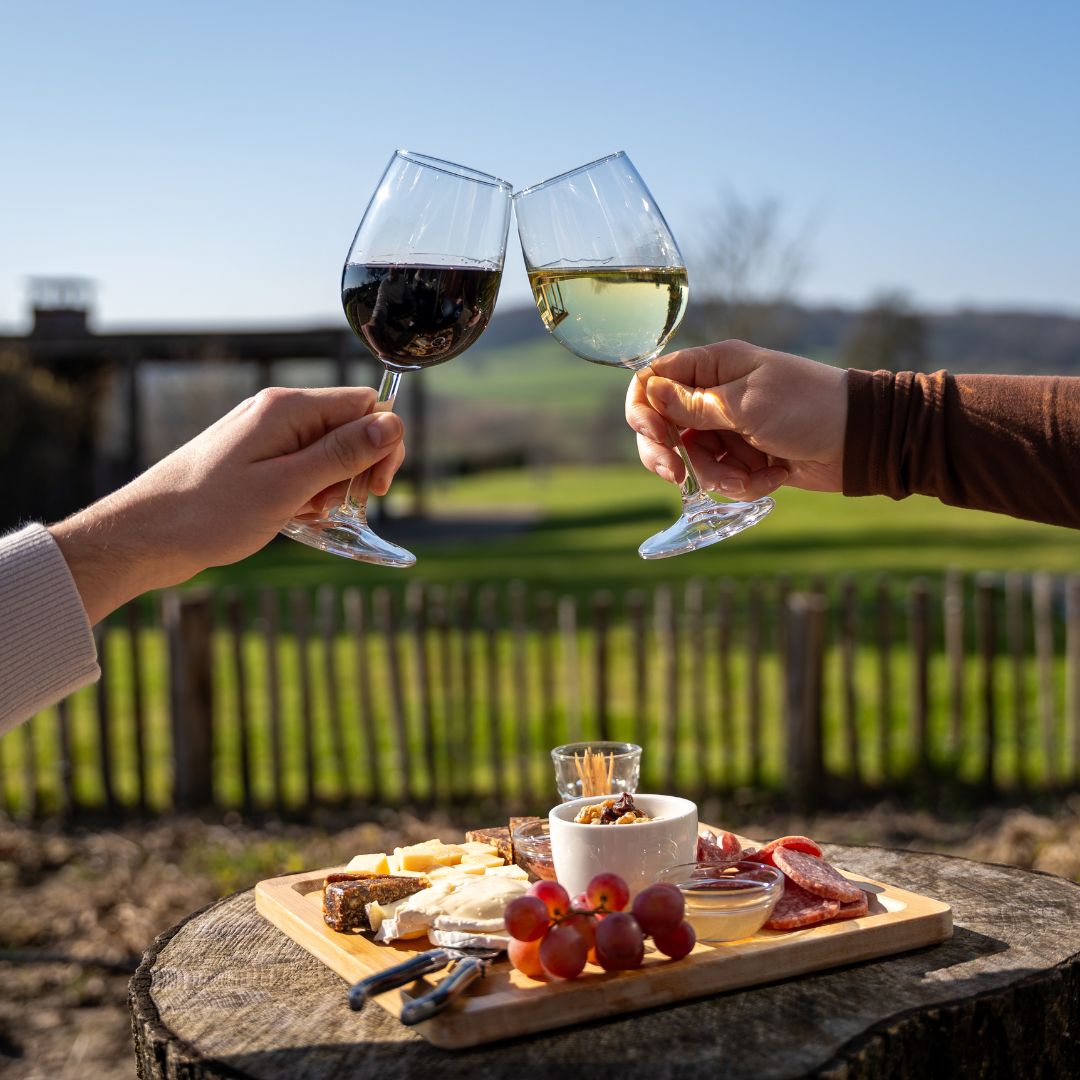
[[425, 963]]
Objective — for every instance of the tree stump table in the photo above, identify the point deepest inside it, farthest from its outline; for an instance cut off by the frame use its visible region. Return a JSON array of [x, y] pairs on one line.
[[225, 994]]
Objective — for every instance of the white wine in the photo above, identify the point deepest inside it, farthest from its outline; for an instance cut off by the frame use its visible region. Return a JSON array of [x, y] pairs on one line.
[[622, 315]]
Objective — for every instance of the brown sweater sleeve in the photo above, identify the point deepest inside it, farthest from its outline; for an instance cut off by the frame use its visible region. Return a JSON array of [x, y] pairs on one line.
[[1007, 443]]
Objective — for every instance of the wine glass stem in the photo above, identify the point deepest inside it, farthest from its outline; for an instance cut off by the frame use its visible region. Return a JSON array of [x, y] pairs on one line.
[[356, 495], [690, 488]]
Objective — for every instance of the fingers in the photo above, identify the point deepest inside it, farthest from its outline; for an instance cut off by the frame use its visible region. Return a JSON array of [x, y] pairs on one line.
[[710, 365], [346, 451], [383, 472], [712, 408], [722, 462], [280, 420]]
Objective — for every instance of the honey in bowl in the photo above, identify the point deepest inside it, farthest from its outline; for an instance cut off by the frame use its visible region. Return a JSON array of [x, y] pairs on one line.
[[726, 903]]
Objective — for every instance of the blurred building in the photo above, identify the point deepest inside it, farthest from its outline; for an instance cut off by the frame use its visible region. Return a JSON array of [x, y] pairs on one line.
[[118, 401]]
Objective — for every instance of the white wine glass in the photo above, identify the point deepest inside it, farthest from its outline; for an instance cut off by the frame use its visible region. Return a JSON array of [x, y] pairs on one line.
[[419, 286], [611, 286]]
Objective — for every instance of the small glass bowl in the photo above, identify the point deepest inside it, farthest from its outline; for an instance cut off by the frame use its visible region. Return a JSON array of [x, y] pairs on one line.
[[621, 759], [532, 849], [726, 903]]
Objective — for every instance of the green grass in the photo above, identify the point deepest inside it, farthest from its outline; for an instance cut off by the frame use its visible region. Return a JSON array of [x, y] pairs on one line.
[[583, 526]]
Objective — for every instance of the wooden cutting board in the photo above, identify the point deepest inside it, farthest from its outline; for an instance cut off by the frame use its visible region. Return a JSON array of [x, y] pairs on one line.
[[506, 1003]]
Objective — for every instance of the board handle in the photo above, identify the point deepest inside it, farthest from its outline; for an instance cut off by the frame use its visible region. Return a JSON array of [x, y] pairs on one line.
[[400, 975]]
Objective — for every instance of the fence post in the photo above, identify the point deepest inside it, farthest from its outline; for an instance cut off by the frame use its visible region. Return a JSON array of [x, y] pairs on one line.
[[639, 650], [1016, 630], [234, 607], [571, 668], [986, 616], [919, 634], [884, 629], [601, 605], [489, 621], [518, 599], [667, 633], [189, 627], [805, 645], [268, 607], [326, 605], [137, 710], [694, 603], [1072, 673], [725, 604], [849, 644], [1042, 613], [383, 601], [356, 621], [300, 617], [416, 610], [754, 620], [954, 650], [104, 718]]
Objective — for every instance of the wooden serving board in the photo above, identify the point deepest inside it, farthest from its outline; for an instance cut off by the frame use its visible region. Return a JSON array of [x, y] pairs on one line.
[[506, 1003]]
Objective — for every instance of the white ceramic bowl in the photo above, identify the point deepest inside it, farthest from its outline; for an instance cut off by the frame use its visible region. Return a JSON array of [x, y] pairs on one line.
[[637, 853]]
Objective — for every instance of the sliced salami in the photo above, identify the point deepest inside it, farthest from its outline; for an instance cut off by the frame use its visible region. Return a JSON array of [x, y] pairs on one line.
[[797, 908], [795, 843], [856, 909], [815, 875]]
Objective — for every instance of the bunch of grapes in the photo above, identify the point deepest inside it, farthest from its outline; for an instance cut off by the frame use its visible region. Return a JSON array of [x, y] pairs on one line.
[[554, 935]]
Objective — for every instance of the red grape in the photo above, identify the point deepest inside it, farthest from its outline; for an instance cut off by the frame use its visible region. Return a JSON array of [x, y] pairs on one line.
[[553, 895], [580, 903], [659, 908], [676, 943], [527, 918], [563, 952], [608, 891], [525, 956], [619, 942], [585, 925]]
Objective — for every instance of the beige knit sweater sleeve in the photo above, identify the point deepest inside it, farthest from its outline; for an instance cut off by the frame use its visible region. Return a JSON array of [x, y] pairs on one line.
[[46, 646]]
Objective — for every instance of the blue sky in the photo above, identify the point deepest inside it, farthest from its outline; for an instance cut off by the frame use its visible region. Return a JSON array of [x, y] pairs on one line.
[[208, 162]]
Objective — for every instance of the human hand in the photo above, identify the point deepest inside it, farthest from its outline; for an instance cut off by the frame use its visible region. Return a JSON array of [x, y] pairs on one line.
[[753, 419], [229, 490]]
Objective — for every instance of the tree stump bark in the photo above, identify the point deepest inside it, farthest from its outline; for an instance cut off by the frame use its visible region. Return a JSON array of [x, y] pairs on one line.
[[225, 994]]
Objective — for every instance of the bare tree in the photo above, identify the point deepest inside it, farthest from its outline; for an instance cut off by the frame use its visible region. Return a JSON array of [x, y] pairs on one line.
[[748, 265], [889, 335]]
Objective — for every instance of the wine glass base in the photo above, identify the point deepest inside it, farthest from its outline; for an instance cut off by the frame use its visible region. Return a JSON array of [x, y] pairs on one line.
[[702, 523], [343, 535]]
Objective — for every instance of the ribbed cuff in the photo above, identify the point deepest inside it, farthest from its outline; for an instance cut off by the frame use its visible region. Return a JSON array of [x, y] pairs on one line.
[[46, 644]]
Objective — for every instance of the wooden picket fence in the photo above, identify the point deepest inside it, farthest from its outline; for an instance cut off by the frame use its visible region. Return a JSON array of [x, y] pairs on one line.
[[281, 703]]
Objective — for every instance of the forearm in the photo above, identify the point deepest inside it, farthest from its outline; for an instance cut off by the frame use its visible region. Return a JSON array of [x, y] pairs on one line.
[[110, 555], [1005, 443]]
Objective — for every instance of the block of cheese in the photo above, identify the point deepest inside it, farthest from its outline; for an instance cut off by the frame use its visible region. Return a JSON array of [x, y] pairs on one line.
[[429, 854], [370, 865], [460, 870], [511, 871], [475, 847], [482, 860]]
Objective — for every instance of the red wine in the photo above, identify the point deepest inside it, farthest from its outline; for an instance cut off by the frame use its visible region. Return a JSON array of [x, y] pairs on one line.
[[413, 317]]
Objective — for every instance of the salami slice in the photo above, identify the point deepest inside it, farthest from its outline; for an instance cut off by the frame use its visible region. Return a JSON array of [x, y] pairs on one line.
[[797, 908], [856, 909], [815, 875], [796, 843]]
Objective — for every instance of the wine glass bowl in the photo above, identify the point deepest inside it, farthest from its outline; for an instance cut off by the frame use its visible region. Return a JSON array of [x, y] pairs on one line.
[[611, 286], [418, 287]]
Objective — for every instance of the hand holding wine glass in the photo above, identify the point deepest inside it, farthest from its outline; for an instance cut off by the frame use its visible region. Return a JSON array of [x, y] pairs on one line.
[[419, 285], [756, 418], [611, 286]]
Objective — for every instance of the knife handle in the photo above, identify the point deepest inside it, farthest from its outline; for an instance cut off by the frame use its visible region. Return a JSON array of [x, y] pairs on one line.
[[465, 973], [399, 975]]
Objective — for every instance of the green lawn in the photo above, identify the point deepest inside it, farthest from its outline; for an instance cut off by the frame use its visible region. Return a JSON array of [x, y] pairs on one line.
[[581, 527]]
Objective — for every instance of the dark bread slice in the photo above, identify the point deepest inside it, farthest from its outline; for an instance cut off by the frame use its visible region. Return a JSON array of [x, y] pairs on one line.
[[345, 895]]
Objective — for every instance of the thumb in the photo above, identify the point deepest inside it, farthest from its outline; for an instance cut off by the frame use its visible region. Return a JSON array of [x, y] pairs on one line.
[[347, 451], [686, 407]]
